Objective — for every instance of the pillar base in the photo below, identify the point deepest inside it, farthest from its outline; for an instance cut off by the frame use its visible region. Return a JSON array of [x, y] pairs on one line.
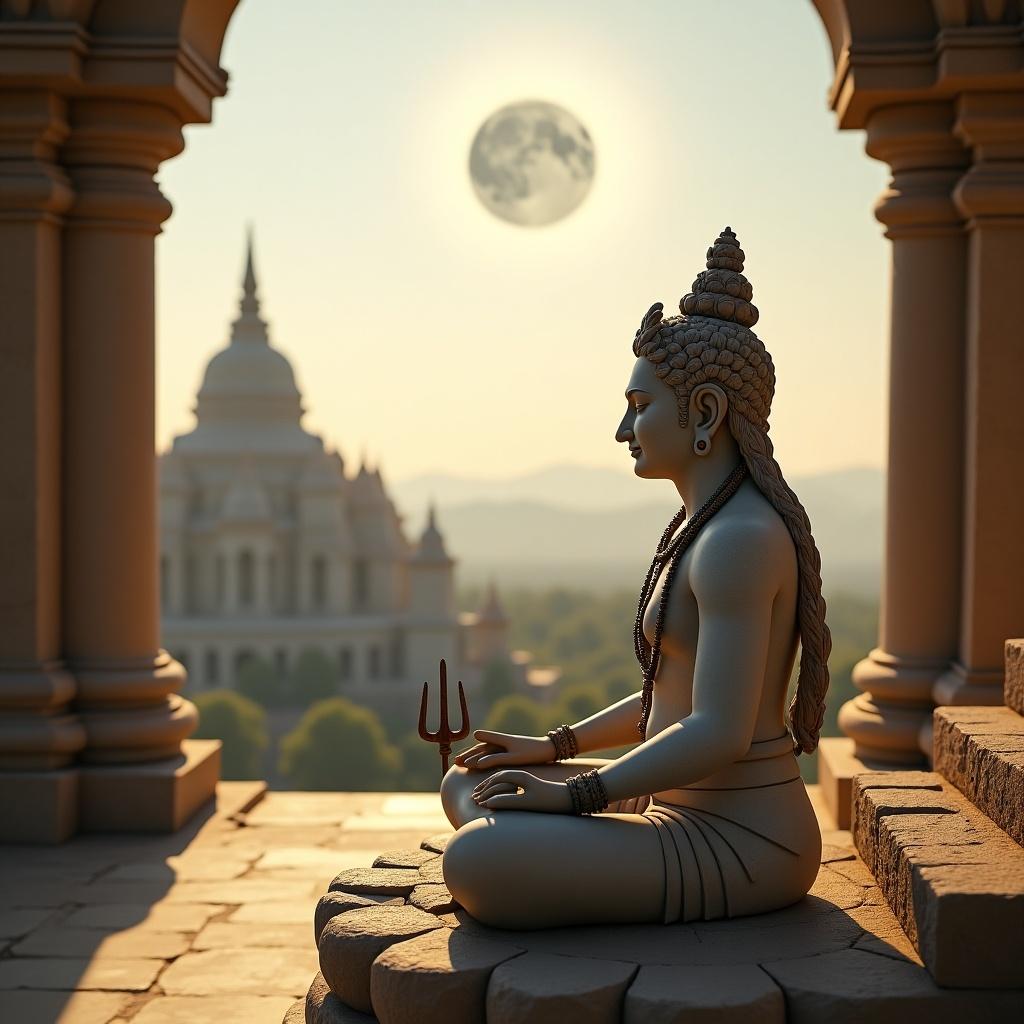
[[960, 686], [38, 807], [838, 763], [156, 797]]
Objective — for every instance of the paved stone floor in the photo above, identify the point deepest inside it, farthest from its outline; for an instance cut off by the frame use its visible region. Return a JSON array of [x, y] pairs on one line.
[[212, 925]]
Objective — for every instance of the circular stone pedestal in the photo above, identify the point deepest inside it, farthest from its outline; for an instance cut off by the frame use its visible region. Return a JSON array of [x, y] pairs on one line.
[[395, 947]]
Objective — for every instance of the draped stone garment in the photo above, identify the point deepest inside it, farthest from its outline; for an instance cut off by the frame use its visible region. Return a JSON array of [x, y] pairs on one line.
[[743, 841]]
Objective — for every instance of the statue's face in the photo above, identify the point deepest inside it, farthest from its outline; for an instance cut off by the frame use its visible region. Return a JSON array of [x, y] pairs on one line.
[[657, 443]]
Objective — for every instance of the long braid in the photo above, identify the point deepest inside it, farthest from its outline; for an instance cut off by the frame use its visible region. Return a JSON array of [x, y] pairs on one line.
[[711, 342], [807, 709]]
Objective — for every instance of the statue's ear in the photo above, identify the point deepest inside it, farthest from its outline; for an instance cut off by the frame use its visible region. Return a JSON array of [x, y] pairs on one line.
[[709, 406]]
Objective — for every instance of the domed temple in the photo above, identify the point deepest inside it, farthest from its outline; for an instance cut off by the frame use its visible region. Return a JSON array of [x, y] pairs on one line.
[[268, 547]]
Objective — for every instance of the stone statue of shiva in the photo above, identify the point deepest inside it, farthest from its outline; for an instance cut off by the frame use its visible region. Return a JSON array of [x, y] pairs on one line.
[[706, 816]]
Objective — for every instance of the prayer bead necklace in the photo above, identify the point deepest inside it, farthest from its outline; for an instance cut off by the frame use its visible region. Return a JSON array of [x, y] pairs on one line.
[[671, 550]]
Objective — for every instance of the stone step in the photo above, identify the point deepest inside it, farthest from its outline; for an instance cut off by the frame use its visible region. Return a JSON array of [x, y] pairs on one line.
[[1013, 682], [953, 878], [981, 751]]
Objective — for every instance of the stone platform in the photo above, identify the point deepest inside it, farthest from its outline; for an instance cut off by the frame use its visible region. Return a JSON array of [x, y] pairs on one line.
[[394, 947], [209, 925]]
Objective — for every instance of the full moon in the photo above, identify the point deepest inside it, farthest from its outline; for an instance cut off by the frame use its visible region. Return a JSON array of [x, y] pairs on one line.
[[531, 163]]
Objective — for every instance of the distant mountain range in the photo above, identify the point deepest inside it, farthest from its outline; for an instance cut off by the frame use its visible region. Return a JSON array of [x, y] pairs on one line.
[[583, 525]]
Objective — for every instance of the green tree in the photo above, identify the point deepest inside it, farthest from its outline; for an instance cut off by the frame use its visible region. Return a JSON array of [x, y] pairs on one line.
[[517, 714], [421, 764], [240, 724], [497, 680], [339, 745], [315, 677], [259, 681], [579, 702]]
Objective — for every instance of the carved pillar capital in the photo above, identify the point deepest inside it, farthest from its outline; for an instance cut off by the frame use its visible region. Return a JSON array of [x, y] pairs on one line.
[[992, 191], [917, 141]]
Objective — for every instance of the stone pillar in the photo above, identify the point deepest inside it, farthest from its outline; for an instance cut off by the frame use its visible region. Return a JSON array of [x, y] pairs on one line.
[[990, 196], [919, 611], [38, 734], [126, 684], [920, 601]]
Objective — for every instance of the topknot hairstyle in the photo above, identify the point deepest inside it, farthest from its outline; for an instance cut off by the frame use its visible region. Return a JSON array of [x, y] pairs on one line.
[[711, 341]]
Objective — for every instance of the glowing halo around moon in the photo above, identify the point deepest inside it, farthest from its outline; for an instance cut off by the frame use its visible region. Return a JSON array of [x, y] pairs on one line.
[[531, 163]]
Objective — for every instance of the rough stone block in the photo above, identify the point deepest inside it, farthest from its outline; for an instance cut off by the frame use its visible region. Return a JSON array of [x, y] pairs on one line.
[[431, 871], [404, 858], [854, 986], [435, 899], [377, 881], [437, 978], [954, 879], [544, 988], [981, 751], [702, 995], [436, 843], [1013, 681], [351, 942], [333, 903]]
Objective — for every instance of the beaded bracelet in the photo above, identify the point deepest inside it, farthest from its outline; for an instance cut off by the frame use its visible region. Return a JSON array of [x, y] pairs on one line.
[[587, 792], [565, 743]]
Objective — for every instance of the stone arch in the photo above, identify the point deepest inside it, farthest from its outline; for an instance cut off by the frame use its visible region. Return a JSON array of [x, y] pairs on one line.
[[89, 118]]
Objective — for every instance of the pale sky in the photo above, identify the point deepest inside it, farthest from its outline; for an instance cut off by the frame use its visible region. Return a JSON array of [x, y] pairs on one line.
[[443, 339]]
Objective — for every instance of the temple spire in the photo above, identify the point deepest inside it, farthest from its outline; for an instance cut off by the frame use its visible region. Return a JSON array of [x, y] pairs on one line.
[[249, 326], [250, 300]]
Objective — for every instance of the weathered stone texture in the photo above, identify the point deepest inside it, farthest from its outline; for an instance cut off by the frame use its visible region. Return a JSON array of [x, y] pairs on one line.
[[333, 903], [322, 1006], [439, 977], [351, 942], [377, 881], [264, 972], [855, 986], [981, 751], [436, 899], [233, 1009], [404, 858], [954, 880], [544, 988], [703, 995], [1013, 682], [436, 843]]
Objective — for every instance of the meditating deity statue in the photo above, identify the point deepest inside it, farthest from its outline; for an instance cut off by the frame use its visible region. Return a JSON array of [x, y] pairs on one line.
[[706, 815]]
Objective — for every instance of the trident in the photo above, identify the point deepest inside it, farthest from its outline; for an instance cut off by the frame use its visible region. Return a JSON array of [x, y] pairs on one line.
[[444, 734]]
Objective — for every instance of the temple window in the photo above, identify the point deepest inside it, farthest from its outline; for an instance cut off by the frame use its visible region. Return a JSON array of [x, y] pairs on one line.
[[246, 579], [345, 663], [373, 666], [212, 668], [360, 583], [319, 580]]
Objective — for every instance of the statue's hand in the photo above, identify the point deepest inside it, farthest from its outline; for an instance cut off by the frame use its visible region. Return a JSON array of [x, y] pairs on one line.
[[502, 749], [501, 791]]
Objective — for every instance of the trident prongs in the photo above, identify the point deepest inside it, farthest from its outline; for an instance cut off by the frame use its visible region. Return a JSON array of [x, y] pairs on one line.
[[444, 735]]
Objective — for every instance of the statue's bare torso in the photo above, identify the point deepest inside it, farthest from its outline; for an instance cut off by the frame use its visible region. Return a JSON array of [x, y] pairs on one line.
[[673, 691]]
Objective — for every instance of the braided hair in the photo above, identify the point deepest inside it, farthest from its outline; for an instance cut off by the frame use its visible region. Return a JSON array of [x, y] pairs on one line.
[[711, 341]]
